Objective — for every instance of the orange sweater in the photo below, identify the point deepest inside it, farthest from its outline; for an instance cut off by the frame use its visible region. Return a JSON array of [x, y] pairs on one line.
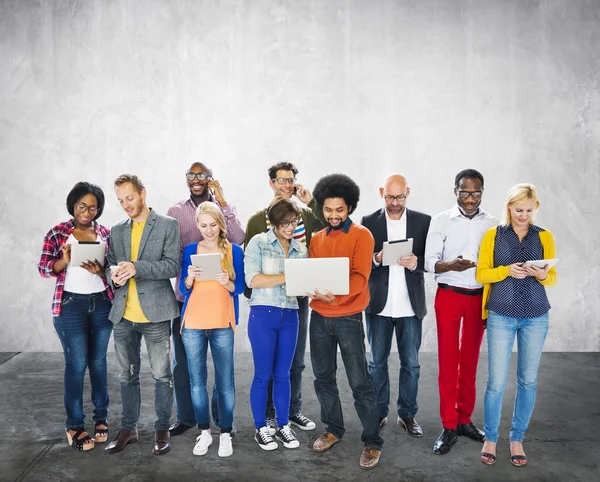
[[358, 245]]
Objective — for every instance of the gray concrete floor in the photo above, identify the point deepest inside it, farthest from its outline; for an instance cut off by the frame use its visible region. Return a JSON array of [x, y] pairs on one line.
[[562, 442]]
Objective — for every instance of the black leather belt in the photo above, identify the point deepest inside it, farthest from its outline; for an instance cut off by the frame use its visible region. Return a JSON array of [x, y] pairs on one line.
[[462, 291]]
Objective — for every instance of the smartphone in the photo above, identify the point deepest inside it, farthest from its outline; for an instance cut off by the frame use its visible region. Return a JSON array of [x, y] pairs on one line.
[[295, 190]]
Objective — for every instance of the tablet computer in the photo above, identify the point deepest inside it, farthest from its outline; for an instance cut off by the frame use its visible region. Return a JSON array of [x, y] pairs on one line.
[[394, 250], [324, 274], [84, 251], [541, 263], [210, 264]]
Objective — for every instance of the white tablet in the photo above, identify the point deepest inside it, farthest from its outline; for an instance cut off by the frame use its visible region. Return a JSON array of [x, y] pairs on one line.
[[324, 274], [394, 250], [210, 264], [541, 263], [84, 251]]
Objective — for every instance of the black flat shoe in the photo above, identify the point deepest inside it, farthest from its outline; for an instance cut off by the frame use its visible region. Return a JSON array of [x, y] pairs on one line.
[[445, 441], [178, 428], [471, 431], [411, 426]]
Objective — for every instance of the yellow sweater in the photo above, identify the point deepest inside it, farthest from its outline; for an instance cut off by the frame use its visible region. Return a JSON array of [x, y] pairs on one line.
[[486, 273]]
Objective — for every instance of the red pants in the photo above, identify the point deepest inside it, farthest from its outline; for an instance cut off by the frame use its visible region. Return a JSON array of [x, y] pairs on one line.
[[458, 354]]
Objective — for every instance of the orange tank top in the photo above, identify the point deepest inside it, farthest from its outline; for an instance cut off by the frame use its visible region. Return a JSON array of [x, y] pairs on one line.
[[210, 305]]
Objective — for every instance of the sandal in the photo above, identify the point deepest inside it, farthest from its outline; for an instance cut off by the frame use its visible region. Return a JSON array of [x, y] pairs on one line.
[[80, 443], [491, 458], [515, 458], [101, 435]]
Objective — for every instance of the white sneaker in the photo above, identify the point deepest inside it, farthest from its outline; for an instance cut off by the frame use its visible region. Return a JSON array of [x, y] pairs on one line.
[[203, 441], [225, 446], [287, 437]]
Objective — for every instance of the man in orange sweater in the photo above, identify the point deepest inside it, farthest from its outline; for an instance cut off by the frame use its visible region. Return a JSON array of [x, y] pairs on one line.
[[337, 320]]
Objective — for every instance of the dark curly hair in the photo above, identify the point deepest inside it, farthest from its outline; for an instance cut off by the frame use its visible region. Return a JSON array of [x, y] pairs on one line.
[[81, 189], [337, 185], [282, 166]]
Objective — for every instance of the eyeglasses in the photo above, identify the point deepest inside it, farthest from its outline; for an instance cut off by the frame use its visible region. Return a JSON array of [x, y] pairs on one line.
[[81, 208], [388, 198], [287, 224], [201, 176], [283, 180], [465, 194]]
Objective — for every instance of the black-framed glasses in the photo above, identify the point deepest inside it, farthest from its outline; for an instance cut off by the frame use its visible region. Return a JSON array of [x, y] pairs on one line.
[[389, 198], [201, 176], [287, 224], [465, 194], [284, 180], [81, 208]]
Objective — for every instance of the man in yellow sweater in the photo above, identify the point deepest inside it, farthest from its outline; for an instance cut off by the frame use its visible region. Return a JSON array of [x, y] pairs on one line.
[[337, 320]]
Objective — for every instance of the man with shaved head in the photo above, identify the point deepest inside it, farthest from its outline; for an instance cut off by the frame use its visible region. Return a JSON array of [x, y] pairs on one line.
[[203, 187], [397, 302]]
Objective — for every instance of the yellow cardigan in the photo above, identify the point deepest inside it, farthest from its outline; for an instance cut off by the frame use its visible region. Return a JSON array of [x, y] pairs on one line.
[[486, 273]]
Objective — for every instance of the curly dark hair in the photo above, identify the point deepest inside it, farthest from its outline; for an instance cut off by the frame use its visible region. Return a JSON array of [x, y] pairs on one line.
[[337, 185], [81, 189], [282, 166], [472, 173]]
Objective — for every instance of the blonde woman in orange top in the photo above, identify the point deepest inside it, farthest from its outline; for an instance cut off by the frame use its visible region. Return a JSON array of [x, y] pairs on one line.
[[209, 316]]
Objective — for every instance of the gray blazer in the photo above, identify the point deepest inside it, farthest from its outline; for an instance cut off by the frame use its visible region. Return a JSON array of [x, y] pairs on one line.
[[158, 261]]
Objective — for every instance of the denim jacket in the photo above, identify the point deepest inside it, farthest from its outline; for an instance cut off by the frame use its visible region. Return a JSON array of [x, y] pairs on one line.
[[264, 255]]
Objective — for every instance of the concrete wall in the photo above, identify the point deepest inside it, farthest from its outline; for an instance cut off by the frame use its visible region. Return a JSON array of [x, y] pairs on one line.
[[96, 88]]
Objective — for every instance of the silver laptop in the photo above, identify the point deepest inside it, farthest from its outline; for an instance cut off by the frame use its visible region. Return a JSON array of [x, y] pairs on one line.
[[324, 274]]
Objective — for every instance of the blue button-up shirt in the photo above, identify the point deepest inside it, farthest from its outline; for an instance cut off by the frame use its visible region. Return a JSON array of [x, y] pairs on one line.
[[518, 298], [264, 255]]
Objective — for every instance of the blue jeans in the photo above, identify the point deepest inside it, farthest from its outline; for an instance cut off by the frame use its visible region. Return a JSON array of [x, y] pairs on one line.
[[501, 331], [84, 331], [326, 333], [181, 380], [273, 333], [128, 337], [297, 364], [221, 348], [380, 331]]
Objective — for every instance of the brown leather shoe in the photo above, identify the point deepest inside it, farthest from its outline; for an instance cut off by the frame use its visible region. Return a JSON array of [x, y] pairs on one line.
[[124, 437], [325, 442], [369, 458], [162, 441], [411, 426]]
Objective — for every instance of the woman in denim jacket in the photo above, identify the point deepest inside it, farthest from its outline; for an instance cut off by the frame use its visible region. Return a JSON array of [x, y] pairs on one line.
[[273, 320]]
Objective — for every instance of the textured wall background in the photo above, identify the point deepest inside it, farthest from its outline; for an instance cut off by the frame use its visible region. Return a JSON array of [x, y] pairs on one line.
[[93, 89]]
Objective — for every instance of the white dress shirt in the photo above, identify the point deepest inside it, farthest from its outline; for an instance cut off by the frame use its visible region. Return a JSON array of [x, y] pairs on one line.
[[398, 303], [452, 234]]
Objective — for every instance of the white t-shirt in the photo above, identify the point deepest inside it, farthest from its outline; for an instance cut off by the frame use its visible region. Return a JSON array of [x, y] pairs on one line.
[[81, 281], [398, 303]]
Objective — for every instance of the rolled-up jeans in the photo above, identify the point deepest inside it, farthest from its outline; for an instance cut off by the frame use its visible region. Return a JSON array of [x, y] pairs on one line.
[[128, 337], [501, 333]]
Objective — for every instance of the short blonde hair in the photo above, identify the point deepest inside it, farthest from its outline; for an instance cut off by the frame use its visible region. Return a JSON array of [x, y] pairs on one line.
[[210, 208], [516, 195]]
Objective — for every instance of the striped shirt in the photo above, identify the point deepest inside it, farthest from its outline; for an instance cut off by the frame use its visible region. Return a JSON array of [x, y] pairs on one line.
[[51, 253]]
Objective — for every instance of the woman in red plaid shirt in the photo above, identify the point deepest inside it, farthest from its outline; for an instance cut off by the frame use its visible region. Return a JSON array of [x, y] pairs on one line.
[[81, 304]]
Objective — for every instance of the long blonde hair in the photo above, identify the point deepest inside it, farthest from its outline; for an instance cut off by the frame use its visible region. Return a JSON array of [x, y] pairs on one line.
[[208, 207], [517, 194]]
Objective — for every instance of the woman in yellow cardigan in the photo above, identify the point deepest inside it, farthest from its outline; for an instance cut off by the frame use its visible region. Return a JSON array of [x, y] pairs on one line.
[[516, 300]]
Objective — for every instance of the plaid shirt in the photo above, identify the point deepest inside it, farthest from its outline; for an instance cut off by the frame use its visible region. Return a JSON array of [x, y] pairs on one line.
[[185, 213], [51, 253]]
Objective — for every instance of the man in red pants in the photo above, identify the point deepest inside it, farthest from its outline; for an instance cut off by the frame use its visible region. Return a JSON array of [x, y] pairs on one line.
[[451, 250]]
